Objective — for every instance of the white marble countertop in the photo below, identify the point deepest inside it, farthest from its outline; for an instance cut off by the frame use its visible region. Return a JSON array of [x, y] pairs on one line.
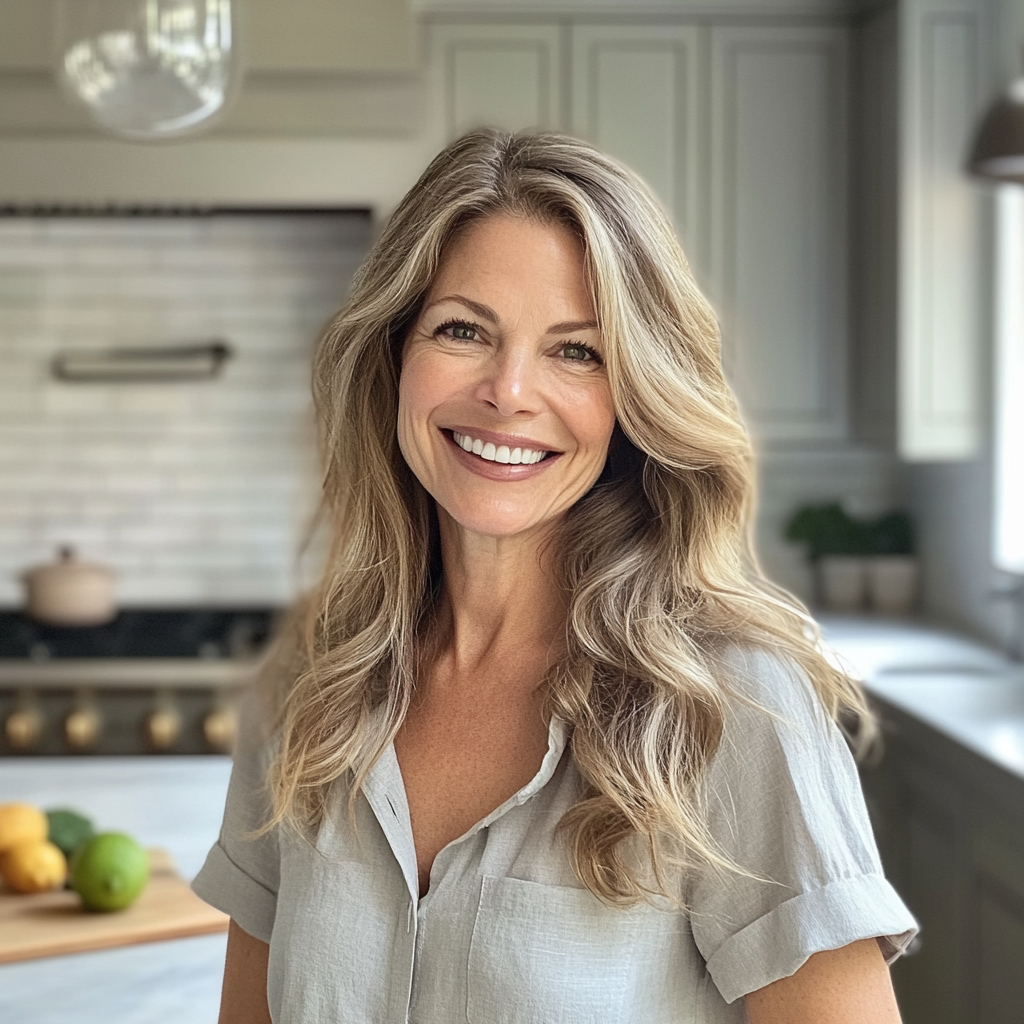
[[172, 802], [967, 691]]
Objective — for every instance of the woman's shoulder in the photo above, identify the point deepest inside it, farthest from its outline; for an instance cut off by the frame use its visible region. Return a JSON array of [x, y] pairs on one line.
[[761, 679]]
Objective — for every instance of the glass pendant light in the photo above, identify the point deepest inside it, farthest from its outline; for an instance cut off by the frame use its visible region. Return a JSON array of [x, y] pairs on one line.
[[147, 69]]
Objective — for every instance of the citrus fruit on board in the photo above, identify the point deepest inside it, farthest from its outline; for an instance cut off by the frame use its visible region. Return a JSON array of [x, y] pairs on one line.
[[21, 823], [33, 866], [109, 871], [68, 829]]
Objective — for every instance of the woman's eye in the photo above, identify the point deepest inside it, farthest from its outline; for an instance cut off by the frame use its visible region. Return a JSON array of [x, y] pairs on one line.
[[458, 331], [579, 353]]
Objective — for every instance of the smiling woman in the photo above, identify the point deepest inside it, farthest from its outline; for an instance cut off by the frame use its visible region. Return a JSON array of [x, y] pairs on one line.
[[544, 745]]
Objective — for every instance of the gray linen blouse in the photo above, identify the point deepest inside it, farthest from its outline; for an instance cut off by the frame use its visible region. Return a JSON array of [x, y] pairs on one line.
[[507, 935]]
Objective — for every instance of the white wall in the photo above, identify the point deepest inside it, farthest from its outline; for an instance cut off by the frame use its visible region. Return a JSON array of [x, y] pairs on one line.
[[194, 492]]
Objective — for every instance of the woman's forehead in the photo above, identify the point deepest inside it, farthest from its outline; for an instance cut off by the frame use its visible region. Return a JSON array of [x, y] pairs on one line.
[[502, 251]]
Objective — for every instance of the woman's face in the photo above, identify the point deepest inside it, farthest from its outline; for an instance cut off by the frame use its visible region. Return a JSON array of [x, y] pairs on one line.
[[504, 410]]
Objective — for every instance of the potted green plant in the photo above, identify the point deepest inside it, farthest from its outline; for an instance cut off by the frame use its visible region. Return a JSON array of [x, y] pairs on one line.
[[838, 546], [892, 572], [858, 561]]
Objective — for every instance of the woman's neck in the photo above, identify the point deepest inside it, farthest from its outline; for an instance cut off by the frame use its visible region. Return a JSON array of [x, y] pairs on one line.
[[500, 601]]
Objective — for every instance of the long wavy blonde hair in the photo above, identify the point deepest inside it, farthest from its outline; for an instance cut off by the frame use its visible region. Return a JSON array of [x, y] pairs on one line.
[[656, 560]]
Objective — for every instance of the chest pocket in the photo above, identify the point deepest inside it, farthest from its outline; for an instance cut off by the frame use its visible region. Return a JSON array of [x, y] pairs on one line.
[[545, 954]]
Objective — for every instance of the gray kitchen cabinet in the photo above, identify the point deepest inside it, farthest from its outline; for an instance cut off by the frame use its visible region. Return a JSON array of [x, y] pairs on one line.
[[932, 983], [997, 849], [950, 828], [638, 93], [922, 244], [508, 76], [778, 209]]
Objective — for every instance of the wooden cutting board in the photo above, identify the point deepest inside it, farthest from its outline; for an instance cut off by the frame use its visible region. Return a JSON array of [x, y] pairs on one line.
[[54, 923]]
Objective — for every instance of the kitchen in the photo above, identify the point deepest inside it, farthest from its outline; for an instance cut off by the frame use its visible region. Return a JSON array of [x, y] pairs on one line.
[[810, 152]]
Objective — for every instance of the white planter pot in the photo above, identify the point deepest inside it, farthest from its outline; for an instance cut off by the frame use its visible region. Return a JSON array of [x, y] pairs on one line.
[[892, 583], [842, 581]]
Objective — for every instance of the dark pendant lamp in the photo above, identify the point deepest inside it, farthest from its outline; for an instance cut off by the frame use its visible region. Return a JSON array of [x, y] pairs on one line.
[[998, 151]]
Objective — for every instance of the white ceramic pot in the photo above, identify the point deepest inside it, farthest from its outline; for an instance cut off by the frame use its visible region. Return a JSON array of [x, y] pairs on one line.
[[893, 583], [70, 593], [842, 581]]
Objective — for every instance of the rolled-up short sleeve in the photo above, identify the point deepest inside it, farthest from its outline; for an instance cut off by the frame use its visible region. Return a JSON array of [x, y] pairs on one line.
[[785, 804], [241, 875]]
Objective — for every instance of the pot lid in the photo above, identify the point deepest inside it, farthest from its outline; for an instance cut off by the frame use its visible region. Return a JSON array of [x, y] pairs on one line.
[[67, 564]]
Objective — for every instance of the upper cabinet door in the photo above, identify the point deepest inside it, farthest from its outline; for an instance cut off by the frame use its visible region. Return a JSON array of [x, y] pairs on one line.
[[497, 76], [942, 254], [778, 198], [636, 94]]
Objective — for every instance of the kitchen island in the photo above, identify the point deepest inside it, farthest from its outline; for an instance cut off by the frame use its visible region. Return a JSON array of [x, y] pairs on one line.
[[174, 802]]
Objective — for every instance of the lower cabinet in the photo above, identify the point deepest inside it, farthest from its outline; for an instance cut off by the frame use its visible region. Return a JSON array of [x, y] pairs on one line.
[[950, 828]]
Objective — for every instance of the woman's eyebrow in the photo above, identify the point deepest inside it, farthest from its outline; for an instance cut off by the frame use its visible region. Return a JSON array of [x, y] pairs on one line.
[[474, 307], [562, 327], [569, 326]]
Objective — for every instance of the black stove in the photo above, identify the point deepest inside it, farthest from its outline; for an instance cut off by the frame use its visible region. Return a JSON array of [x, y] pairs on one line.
[[157, 681]]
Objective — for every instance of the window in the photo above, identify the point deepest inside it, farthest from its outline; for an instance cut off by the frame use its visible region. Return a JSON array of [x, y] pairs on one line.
[[1008, 527]]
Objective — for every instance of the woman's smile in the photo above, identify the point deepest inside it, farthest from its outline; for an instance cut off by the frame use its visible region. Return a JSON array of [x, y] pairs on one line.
[[505, 409], [512, 452]]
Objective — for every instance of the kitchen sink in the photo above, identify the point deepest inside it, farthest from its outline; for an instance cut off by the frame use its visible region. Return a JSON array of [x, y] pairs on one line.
[[982, 709]]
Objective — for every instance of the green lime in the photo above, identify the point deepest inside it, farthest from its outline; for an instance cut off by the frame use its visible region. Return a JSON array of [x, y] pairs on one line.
[[68, 829], [109, 871]]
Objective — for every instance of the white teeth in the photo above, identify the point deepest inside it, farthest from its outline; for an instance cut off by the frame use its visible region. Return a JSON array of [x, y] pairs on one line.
[[498, 453]]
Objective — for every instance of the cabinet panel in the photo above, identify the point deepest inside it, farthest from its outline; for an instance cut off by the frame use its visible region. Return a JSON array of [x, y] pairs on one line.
[[501, 76], [778, 234], [997, 855], [941, 319], [636, 94], [1000, 981], [930, 984]]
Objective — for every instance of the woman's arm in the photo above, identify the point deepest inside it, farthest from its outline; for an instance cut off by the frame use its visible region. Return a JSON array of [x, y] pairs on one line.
[[243, 1000], [840, 986]]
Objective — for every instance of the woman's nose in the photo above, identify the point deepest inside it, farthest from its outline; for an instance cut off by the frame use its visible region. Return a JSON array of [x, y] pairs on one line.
[[511, 383]]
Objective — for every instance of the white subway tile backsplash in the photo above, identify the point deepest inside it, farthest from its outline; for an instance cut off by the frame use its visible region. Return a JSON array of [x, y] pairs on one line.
[[195, 492]]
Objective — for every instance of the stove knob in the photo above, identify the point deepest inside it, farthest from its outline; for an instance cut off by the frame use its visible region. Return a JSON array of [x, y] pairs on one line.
[[23, 729], [219, 729], [162, 728], [82, 728]]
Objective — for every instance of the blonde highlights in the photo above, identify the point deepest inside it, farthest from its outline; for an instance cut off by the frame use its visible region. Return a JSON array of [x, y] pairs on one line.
[[655, 561]]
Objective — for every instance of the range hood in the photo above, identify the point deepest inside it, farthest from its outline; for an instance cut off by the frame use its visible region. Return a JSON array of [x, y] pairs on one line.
[[82, 173]]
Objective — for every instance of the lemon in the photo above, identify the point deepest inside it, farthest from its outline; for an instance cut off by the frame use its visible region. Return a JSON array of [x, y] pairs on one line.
[[109, 871], [21, 823], [33, 866]]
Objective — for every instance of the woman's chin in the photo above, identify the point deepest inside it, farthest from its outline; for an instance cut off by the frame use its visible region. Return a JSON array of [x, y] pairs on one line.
[[503, 525]]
